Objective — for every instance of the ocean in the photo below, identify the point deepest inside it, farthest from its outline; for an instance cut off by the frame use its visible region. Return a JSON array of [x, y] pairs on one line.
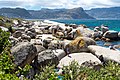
[[112, 25]]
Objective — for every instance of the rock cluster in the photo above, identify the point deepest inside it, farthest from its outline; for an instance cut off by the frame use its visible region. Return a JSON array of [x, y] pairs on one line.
[[103, 33], [41, 43]]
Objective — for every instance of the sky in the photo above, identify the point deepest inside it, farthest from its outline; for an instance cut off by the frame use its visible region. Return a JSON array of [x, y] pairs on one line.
[[53, 4]]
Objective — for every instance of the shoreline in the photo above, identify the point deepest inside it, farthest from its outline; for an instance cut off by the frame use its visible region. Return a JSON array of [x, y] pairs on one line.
[[44, 43]]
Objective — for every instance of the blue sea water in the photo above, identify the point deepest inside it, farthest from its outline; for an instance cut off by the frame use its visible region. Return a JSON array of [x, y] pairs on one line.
[[112, 24]]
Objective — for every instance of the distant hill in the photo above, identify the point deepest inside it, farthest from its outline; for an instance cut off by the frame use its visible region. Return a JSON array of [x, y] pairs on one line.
[[113, 12], [75, 13], [15, 13]]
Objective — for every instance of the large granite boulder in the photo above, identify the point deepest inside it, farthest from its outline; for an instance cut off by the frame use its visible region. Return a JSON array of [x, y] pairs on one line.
[[21, 28], [3, 28], [24, 53], [13, 40], [25, 37], [46, 57], [31, 34], [39, 48], [113, 35], [38, 31], [97, 34], [81, 31], [72, 34], [104, 29], [59, 53], [32, 30], [107, 53], [96, 29], [17, 34], [59, 34], [81, 58], [36, 41], [87, 32], [80, 44], [55, 44], [46, 42], [68, 29]]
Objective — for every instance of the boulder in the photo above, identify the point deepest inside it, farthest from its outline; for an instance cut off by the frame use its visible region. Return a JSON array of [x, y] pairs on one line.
[[87, 32], [68, 29], [80, 44], [38, 31], [79, 31], [15, 22], [39, 48], [97, 34], [83, 25], [25, 37], [81, 58], [46, 57], [91, 64], [59, 53], [17, 34], [83, 32], [104, 29], [24, 53], [31, 34], [59, 34], [4, 29], [36, 41], [46, 42], [73, 34], [32, 30], [55, 44], [13, 40], [97, 29], [107, 53], [117, 46], [21, 28], [113, 35]]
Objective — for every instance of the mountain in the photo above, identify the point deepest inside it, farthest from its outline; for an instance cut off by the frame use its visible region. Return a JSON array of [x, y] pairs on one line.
[[75, 13], [15, 12], [113, 12]]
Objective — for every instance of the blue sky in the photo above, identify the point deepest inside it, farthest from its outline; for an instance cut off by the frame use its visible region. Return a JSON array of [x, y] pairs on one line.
[[52, 4]]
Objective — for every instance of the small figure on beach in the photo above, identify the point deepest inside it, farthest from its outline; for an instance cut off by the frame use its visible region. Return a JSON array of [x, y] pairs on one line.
[[112, 47], [67, 51]]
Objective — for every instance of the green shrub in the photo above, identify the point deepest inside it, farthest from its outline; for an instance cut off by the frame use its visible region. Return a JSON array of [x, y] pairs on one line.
[[4, 42], [7, 67], [47, 73], [75, 72], [6, 64]]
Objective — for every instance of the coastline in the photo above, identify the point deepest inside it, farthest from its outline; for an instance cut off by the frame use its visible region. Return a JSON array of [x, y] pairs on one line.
[[42, 43]]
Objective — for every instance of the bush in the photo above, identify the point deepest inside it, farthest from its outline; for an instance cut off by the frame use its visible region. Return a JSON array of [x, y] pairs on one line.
[[6, 64], [7, 67], [111, 71], [4, 42], [47, 73]]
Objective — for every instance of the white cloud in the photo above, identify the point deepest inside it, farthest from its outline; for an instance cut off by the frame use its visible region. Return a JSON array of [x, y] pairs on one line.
[[37, 4]]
